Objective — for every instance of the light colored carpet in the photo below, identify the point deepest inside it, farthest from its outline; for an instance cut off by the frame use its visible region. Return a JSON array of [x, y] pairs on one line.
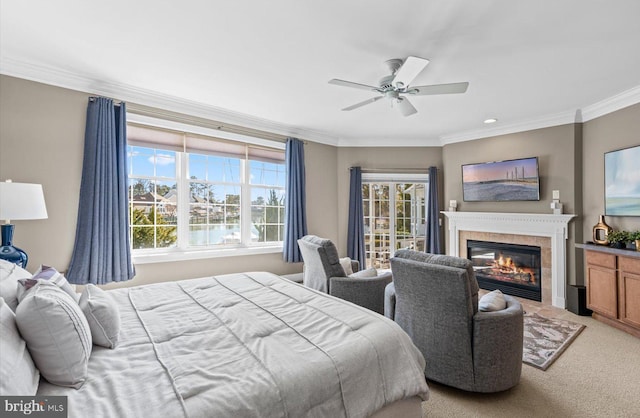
[[597, 376], [546, 338]]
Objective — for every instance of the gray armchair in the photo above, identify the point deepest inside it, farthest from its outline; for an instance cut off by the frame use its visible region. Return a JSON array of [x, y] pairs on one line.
[[323, 272], [434, 298]]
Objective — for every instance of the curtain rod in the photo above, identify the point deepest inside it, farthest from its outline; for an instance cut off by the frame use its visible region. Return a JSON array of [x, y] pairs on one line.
[[394, 170], [199, 121]]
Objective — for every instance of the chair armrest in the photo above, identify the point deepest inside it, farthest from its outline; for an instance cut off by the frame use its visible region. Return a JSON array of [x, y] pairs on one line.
[[355, 265], [366, 292], [390, 301], [497, 347]]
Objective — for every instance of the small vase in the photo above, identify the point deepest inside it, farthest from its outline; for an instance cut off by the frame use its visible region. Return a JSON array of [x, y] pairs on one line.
[[638, 245], [600, 232]]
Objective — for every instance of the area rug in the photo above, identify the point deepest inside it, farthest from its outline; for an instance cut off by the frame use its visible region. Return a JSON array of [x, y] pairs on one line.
[[545, 339]]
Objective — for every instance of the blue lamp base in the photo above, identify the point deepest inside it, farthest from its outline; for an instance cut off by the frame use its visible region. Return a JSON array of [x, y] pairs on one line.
[[10, 253]]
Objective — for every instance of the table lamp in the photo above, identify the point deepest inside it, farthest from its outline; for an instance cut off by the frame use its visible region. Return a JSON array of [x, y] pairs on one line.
[[18, 201]]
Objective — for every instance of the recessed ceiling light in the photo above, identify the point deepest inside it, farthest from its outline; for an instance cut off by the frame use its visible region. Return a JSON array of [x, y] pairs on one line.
[[491, 120]]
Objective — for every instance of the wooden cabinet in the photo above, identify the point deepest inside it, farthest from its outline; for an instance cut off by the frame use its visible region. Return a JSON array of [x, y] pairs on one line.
[[613, 287]]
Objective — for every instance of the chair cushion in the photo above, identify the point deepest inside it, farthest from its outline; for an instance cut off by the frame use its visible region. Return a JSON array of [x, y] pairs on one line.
[[10, 273], [18, 374], [362, 274], [102, 315], [57, 334], [492, 301]]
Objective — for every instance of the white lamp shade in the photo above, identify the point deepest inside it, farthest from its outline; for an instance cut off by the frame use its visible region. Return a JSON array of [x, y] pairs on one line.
[[21, 201]]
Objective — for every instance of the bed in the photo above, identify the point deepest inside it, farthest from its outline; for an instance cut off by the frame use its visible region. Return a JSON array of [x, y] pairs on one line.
[[246, 345]]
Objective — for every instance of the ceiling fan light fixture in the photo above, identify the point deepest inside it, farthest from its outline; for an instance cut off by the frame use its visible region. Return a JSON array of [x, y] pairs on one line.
[[490, 121]]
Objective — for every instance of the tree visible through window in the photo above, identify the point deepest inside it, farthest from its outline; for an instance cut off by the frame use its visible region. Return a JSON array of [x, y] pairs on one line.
[[202, 198], [394, 218]]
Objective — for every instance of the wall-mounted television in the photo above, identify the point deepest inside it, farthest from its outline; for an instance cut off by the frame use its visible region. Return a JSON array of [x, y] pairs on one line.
[[500, 181], [622, 182]]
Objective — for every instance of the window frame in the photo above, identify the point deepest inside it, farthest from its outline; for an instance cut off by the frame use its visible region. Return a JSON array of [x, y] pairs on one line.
[[182, 250]]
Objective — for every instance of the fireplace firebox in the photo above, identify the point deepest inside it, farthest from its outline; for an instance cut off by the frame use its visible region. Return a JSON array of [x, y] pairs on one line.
[[514, 269]]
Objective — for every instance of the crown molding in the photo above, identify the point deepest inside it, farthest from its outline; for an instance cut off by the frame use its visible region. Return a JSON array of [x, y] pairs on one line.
[[528, 125], [69, 80], [619, 101], [128, 93]]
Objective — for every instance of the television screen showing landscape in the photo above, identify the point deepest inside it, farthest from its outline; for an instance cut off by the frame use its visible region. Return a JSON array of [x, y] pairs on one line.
[[622, 182], [501, 181]]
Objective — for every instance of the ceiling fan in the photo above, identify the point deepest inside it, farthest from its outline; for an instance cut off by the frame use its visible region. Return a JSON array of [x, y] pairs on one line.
[[396, 86]]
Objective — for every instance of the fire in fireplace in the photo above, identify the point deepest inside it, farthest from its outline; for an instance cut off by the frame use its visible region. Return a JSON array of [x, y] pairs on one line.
[[514, 269]]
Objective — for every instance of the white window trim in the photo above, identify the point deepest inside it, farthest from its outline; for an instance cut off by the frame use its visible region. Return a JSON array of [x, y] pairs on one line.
[[160, 255]]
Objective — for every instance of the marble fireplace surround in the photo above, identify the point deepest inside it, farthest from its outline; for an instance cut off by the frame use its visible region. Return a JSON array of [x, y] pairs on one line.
[[549, 232]]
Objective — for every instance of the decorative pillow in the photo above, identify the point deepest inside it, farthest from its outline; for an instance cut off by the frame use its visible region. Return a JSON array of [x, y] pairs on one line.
[[363, 274], [345, 262], [46, 273], [492, 301], [10, 273], [102, 315], [56, 332], [18, 374]]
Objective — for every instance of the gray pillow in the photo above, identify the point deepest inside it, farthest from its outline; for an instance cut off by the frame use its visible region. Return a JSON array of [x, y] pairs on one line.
[[492, 301], [102, 315], [18, 374], [46, 273], [345, 262], [56, 332], [10, 273]]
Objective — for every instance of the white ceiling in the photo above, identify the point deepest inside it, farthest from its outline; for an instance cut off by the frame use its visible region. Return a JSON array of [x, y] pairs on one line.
[[265, 64]]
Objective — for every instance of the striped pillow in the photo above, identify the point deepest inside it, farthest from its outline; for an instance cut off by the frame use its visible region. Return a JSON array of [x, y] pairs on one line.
[[48, 274]]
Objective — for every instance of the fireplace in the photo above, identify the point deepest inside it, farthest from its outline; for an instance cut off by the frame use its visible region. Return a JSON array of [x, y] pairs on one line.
[[514, 269]]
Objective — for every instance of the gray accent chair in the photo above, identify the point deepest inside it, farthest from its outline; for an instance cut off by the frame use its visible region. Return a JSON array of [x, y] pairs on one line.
[[434, 298], [323, 272]]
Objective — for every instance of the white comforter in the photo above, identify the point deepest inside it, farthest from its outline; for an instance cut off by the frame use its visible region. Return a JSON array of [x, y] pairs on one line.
[[245, 345]]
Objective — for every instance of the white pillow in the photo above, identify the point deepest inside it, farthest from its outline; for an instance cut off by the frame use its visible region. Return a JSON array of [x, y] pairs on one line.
[[102, 315], [345, 262], [46, 273], [10, 273], [492, 301], [18, 374], [56, 332], [363, 274]]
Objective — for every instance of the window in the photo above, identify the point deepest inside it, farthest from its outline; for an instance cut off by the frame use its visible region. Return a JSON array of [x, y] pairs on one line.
[[189, 191], [394, 215]]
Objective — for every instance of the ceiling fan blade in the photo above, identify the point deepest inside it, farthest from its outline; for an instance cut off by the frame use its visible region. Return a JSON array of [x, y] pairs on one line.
[[366, 102], [410, 69], [405, 107], [352, 84], [451, 88]]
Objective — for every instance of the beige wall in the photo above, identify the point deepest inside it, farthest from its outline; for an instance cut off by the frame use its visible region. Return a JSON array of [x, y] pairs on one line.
[[42, 141], [610, 132], [379, 158], [556, 149]]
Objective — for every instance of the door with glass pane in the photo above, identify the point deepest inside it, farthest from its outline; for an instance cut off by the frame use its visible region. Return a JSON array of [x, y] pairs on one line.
[[394, 218]]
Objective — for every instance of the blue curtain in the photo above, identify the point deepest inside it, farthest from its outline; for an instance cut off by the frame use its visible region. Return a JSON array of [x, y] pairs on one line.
[[295, 224], [102, 253], [433, 215], [355, 230]]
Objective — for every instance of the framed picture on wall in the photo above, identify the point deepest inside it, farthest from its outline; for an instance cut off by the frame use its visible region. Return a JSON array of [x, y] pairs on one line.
[[622, 182], [500, 181]]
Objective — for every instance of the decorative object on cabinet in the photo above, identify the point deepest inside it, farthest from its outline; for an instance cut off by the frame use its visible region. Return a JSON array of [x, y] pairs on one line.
[[600, 232], [18, 201], [618, 239], [635, 236], [621, 191]]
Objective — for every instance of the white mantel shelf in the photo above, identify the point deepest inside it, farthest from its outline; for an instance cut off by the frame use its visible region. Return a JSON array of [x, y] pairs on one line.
[[534, 224]]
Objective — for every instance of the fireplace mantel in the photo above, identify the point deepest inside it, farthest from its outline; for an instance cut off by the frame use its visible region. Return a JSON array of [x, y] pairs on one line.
[[533, 224]]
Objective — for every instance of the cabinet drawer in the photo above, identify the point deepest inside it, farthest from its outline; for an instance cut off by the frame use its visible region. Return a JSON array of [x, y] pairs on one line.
[[632, 265], [601, 259]]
